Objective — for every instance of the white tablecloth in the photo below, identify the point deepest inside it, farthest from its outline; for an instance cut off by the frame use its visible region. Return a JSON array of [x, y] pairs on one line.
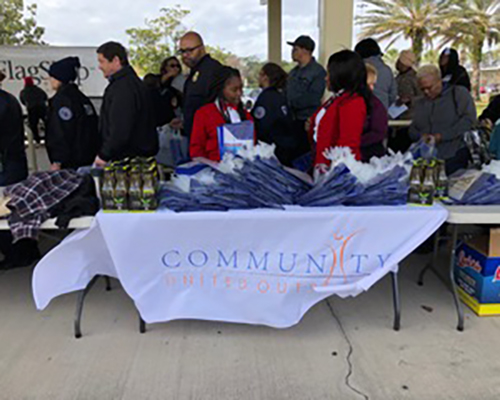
[[261, 267]]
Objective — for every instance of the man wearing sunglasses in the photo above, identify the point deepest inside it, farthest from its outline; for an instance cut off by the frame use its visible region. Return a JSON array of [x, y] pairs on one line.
[[197, 90]]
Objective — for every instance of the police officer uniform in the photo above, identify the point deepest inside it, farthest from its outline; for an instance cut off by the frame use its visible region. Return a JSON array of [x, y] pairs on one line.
[[198, 89], [13, 163], [274, 124], [73, 138]]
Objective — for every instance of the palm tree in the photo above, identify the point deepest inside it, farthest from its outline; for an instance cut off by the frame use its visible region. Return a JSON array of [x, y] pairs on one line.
[[416, 20], [391, 56], [472, 24]]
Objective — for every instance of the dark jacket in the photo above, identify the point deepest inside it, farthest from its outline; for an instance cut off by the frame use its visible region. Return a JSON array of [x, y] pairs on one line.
[[454, 73], [305, 89], [12, 151], [73, 137], [168, 101], [274, 125], [375, 131], [492, 112], [33, 97], [127, 123], [197, 90]]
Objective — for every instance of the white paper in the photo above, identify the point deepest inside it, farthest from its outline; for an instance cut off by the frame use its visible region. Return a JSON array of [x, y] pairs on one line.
[[395, 111]]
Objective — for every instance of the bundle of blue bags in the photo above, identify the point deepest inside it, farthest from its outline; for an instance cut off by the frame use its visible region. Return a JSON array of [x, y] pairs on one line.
[[255, 179], [473, 187]]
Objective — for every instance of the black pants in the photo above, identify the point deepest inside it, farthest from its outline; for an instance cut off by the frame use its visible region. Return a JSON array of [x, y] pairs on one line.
[[35, 115]]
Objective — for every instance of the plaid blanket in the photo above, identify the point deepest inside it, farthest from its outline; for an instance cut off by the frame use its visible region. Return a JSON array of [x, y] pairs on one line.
[[32, 199]]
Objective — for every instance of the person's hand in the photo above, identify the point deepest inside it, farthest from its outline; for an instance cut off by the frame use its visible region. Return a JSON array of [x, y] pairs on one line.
[[99, 162], [55, 167], [486, 123], [308, 124], [404, 100], [432, 138], [176, 124], [319, 171], [167, 75]]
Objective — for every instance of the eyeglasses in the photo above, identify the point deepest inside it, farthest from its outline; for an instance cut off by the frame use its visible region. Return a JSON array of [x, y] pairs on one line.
[[174, 66], [188, 50]]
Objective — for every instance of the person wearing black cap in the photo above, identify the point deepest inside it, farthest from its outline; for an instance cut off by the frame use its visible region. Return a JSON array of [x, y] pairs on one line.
[[306, 83], [305, 89], [127, 120], [73, 138], [386, 88]]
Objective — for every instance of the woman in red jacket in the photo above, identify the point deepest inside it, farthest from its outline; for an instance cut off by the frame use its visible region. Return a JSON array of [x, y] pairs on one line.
[[226, 109], [340, 121]]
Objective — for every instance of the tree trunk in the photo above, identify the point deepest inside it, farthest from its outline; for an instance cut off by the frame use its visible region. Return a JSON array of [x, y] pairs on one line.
[[477, 58], [418, 45]]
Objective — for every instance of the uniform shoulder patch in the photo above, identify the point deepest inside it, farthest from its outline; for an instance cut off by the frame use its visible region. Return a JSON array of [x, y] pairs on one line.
[[65, 113], [260, 112]]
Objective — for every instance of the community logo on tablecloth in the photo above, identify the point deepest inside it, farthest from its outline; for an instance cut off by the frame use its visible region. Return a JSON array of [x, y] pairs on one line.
[[269, 271]]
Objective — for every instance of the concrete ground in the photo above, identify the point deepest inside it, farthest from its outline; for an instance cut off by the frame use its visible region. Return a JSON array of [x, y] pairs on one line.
[[342, 349]]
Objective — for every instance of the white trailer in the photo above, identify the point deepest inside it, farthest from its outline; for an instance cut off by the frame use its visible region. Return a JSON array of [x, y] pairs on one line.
[[19, 62]]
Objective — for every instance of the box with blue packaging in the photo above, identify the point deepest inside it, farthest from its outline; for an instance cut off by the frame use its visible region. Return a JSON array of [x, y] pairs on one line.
[[477, 272]]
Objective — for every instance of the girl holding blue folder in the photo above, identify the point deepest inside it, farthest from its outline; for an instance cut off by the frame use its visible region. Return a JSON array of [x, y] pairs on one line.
[[226, 110]]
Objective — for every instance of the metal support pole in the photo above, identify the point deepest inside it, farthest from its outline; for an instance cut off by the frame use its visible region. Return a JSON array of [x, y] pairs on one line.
[[458, 304], [432, 264], [396, 300], [79, 307]]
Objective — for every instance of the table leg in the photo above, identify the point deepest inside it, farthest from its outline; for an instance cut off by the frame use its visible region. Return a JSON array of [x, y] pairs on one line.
[[397, 301], [431, 265], [142, 325], [79, 306], [108, 283], [458, 303]]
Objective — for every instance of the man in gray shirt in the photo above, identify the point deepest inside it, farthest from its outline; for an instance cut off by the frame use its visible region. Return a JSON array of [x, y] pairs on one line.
[[307, 81], [444, 115], [386, 89]]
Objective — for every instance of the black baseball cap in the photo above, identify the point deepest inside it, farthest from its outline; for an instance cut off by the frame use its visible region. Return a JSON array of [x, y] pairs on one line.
[[304, 42]]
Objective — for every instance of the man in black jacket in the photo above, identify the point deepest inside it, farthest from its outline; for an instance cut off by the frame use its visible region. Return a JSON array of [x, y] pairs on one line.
[[73, 138], [13, 163], [13, 169], [127, 121], [198, 90]]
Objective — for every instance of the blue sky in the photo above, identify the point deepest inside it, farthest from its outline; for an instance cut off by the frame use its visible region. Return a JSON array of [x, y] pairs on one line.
[[236, 25]]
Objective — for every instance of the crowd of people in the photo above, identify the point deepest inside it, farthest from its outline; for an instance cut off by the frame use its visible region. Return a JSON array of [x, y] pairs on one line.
[[292, 111], [140, 117]]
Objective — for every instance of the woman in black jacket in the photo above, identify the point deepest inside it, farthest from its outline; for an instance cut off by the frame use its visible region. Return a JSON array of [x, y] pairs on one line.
[[451, 70], [273, 120]]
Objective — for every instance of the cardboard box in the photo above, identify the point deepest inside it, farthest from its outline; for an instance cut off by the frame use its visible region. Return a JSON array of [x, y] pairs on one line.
[[477, 272]]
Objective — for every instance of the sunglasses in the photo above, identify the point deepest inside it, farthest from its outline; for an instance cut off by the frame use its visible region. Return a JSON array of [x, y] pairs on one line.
[[188, 50], [174, 66]]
